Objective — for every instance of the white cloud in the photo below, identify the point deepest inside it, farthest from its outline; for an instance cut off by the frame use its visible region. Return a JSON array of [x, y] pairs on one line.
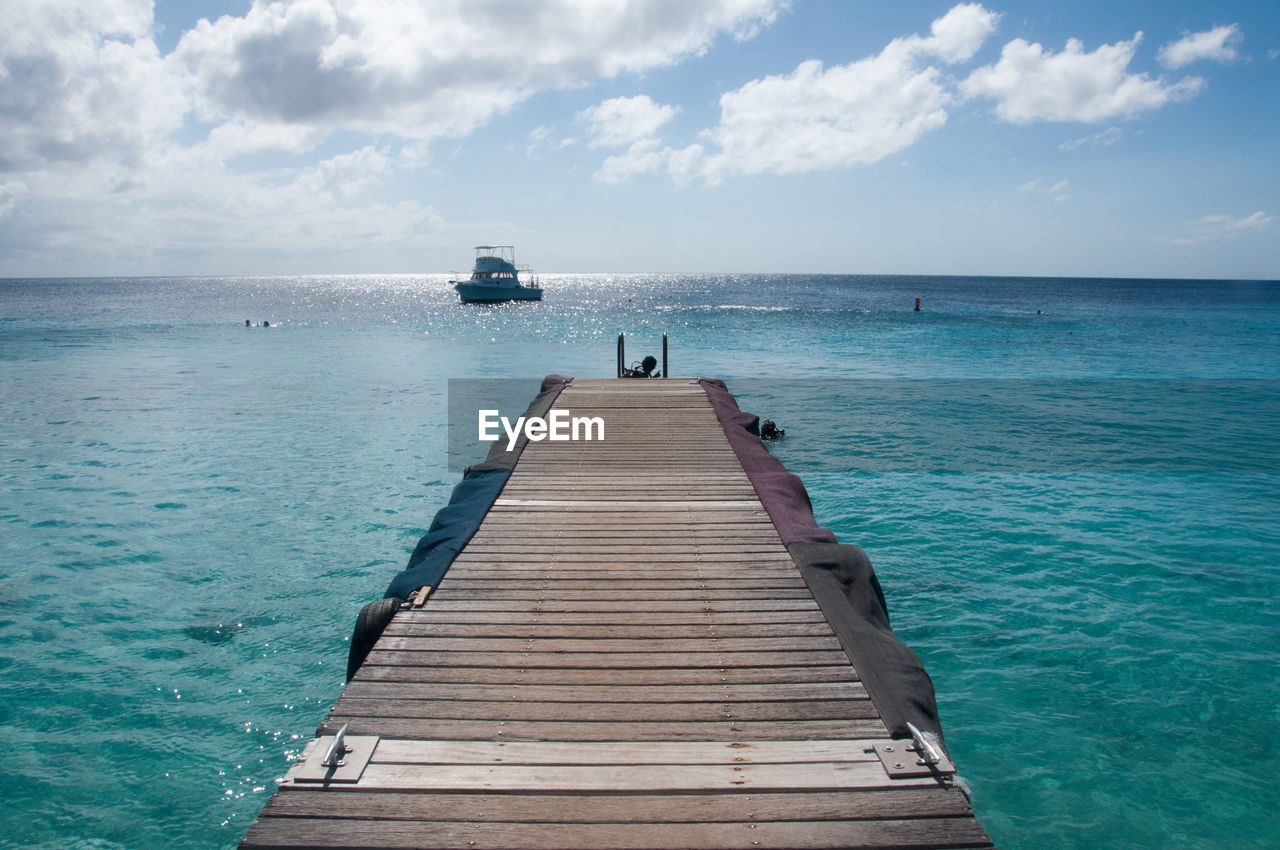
[[11, 191], [536, 137], [1227, 225], [1032, 84], [643, 157], [201, 216], [814, 118], [685, 164], [1219, 226], [1058, 190], [1105, 139], [81, 81], [424, 71], [623, 121], [818, 118], [1217, 44], [118, 151], [344, 176], [958, 34], [237, 137], [631, 122]]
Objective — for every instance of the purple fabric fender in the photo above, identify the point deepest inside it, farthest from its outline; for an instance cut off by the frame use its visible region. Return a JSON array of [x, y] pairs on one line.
[[839, 576], [782, 493]]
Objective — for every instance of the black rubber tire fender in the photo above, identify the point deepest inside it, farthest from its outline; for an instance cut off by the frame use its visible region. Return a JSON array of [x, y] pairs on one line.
[[370, 622]]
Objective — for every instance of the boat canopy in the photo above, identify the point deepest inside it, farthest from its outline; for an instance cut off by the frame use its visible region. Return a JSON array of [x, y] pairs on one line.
[[505, 253]]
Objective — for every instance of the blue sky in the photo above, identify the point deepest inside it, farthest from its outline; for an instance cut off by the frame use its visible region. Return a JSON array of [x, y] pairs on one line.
[[330, 136]]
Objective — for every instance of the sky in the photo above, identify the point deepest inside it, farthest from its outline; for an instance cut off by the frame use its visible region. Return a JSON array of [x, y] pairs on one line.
[[233, 137]]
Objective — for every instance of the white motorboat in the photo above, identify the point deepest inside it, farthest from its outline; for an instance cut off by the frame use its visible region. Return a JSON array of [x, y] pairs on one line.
[[495, 277]]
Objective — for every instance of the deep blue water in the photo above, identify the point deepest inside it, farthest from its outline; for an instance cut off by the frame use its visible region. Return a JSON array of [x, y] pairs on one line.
[[1073, 514]]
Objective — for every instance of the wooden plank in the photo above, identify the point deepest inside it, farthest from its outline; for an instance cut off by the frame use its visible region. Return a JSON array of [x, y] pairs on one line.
[[557, 472], [692, 579], [624, 486], [447, 601], [690, 563], [635, 500], [658, 515], [550, 576], [679, 455], [635, 537], [636, 597], [648, 645], [631, 556], [720, 472], [605, 660], [554, 476], [624, 505], [621, 486], [703, 676], [591, 532], [603, 712], [676, 566], [601, 523], [445, 615], [493, 629], [628, 487], [602, 778], [535, 730], [898, 803], [623, 752], [786, 835], [609, 573], [594, 527], [626, 582], [608, 547], [608, 693]]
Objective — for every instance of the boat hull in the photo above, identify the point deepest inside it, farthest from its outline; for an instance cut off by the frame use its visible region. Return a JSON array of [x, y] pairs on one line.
[[473, 293]]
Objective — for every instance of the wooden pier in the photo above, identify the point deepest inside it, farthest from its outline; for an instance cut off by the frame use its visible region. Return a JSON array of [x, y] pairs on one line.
[[625, 655]]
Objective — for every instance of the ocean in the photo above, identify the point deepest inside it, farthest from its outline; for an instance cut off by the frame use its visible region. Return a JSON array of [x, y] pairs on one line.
[[1068, 488]]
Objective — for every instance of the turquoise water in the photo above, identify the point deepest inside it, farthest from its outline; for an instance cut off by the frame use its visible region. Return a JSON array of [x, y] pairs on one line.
[[1073, 514]]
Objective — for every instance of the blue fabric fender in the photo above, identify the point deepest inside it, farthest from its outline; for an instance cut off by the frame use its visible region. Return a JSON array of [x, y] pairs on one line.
[[457, 522], [454, 526]]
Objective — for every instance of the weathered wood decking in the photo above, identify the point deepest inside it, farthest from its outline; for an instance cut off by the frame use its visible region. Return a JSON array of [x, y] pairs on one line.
[[601, 669]]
